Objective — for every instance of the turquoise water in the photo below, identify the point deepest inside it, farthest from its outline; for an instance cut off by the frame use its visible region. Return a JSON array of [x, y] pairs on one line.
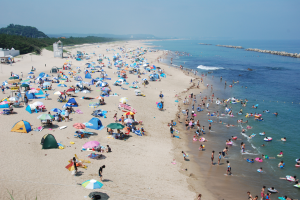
[[273, 84]]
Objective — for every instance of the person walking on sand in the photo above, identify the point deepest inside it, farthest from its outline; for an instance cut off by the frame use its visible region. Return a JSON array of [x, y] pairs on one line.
[[171, 131], [115, 117], [2, 88], [100, 172], [184, 155], [212, 157], [199, 197], [75, 164], [66, 115]]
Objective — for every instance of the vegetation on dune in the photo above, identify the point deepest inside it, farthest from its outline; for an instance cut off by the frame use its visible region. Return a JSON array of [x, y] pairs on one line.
[[26, 31]]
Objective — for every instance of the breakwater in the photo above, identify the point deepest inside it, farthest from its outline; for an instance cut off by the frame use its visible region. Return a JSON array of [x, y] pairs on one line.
[[280, 53], [230, 46]]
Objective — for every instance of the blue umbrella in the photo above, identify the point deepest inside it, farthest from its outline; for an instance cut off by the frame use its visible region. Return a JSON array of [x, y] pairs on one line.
[[56, 110], [62, 85]]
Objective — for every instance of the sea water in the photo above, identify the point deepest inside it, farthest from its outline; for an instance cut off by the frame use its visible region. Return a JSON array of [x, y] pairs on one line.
[[272, 84]]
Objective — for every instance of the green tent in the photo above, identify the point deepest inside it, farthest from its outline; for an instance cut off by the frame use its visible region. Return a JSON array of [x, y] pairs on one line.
[[49, 142]]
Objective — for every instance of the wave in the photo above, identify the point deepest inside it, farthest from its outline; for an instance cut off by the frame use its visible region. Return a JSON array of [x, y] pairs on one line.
[[208, 68]]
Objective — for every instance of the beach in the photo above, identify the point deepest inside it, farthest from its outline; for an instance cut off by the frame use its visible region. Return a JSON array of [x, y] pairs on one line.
[[137, 168]]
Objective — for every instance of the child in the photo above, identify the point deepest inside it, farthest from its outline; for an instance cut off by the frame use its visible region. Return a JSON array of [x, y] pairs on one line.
[[184, 155], [212, 157], [219, 158], [228, 168]]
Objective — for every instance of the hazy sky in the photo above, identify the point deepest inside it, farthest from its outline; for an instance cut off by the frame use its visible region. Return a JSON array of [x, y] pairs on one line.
[[235, 19]]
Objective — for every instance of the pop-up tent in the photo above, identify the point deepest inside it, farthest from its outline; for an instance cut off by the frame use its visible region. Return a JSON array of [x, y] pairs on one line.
[[88, 75], [49, 142], [21, 127], [31, 95], [97, 124], [72, 102]]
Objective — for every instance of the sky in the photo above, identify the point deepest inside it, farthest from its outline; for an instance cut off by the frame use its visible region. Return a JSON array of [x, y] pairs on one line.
[[203, 19]]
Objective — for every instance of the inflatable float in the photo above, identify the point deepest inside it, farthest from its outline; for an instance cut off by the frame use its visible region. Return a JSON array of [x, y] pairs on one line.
[[234, 138], [279, 155], [202, 140], [268, 139], [249, 127], [259, 170], [259, 159], [272, 191], [229, 143], [250, 161], [262, 133]]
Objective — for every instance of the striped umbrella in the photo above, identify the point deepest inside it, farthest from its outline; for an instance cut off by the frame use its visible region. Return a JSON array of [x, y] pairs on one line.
[[92, 184], [79, 126]]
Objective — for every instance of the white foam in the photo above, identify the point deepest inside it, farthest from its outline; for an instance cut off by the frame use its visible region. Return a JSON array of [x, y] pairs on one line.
[[208, 68]]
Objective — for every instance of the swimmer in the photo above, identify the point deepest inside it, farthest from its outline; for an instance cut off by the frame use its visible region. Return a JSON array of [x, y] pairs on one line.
[[201, 147], [281, 153], [283, 139], [263, 145], [280, 164], [243, 130], [252, 160], [266, 157], [276, 114], [290, 178], [260, 169]]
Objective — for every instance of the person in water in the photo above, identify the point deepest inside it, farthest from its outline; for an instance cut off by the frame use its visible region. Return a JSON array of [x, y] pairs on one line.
[[228, 172], [276, 114], [290, 178], [266, 157], [281, 164], [283, 139]]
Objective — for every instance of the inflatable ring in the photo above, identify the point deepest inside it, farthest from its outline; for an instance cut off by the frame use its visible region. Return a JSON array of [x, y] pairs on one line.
[[250, 161], [198, 109], [174, 123], [258, 159], [272, 191], [234, 138], [210, 121]]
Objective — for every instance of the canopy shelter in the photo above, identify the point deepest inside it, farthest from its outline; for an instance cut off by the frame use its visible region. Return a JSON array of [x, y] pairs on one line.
[[96, 124]]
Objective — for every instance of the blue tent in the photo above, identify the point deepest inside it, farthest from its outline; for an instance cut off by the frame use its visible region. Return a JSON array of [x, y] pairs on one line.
[[72, 102], [163, 75], [97, 124], [4, 106], [88, 75], [28, 109], [30, 95]]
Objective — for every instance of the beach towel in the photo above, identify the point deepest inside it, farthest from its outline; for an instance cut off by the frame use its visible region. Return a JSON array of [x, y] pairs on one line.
[[40, 128], [79, 111]]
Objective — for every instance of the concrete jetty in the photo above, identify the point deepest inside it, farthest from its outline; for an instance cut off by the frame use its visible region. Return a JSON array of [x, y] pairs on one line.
[[230, 46], [280, 53]]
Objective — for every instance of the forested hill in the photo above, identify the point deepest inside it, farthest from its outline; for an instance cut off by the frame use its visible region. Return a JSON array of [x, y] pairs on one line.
[[25, 31], [28, 45]]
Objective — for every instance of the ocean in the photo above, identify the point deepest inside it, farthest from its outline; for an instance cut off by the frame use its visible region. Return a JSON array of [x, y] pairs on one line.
[[272, 84]]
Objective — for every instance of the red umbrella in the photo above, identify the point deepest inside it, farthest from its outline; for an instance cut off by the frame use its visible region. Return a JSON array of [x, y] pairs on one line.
[[79, 126], [129, 113], [71, 90]]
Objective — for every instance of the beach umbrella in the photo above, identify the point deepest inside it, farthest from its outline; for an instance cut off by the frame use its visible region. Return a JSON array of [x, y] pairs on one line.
[[33, 91], [13, 81], [56, 110], [79, 126], [30, 73], [4, 83], [85, 91], [129, 113], [137, 91], [123, 100], [13, 77], [129, 121], [13, 99], [24, 85], [144, 79], [45, 117], [62, 85], [99, 97], [91, 144], [47, 75], [115, 126], [92, 184], [4, 102], [38, 103], [58, 93], [71, 90]]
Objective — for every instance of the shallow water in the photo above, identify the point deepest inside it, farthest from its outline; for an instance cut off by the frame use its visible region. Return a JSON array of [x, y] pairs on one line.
[[273, 84]]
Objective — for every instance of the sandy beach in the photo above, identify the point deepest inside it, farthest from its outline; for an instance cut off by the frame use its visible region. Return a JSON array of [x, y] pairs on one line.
[[138, 168]]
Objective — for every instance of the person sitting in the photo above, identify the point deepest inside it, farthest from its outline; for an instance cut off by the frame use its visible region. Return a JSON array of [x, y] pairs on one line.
[[11, 109], [108, 149]]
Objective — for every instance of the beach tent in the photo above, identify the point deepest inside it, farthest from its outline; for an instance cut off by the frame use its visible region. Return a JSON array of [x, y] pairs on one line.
[[88, 75], [72, 102], [21, 127], [4, 105], [30, 95], [78, 78], [49, 142], [42, 74], [54, 70], [28, 109], [97, 124]]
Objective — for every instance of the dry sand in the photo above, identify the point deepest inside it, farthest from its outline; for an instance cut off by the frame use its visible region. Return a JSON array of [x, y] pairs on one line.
[[138, 168]]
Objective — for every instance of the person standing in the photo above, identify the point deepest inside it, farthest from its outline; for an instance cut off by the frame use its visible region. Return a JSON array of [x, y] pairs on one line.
[[219, 158], [122, 119], [67, 115], [228, 172], [2, 88], [262, 193], [171, 131], [26, 100], [75, 165], [101, 171], [212, 157]]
